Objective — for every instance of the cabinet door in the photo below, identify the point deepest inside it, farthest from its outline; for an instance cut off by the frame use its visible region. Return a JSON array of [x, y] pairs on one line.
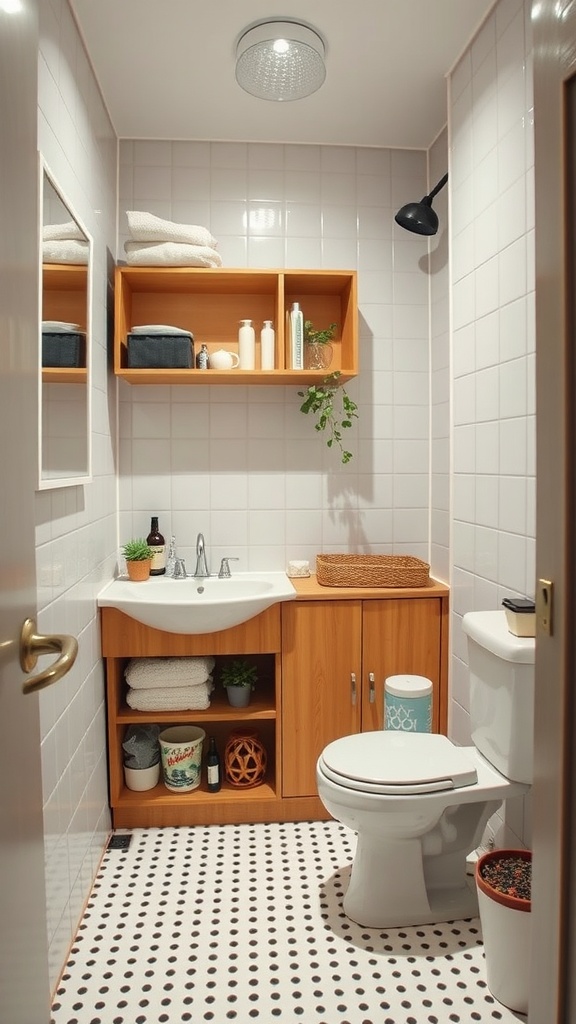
[[402, 636], [321, 648]]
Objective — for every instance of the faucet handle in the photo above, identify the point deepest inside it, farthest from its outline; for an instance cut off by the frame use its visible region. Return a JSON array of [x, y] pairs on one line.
[[225, 573], [179, 572]]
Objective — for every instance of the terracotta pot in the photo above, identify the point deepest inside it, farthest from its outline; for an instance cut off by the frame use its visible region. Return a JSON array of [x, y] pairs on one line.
[[139, 571]]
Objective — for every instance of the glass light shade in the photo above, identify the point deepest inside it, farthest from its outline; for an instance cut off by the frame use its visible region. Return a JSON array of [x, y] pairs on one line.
[[280, 60]]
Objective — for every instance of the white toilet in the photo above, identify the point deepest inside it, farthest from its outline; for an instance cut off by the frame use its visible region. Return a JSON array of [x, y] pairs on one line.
[[420, 803]]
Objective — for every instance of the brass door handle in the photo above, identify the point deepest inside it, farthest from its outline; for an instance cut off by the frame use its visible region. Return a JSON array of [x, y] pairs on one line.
[[353, 688], [32, 645]]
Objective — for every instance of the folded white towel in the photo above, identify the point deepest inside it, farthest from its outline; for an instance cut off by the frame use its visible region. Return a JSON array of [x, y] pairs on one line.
[[53, 232], [145, 227], [59, 327], [156, 672], [171, 254], [65, 250], [159, 329], [171, 698]]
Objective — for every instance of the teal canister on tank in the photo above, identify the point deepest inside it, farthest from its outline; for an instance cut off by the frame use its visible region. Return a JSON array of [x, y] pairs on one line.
[[408, 703]]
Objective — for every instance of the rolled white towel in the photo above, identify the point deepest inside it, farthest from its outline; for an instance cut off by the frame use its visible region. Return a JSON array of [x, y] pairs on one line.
[[146, 227], [171, 698], [156, 672], [65, 250], [58, 232], [171, 254]]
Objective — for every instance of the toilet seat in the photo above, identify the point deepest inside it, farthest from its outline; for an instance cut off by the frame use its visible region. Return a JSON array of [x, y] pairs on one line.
[[397, 763]]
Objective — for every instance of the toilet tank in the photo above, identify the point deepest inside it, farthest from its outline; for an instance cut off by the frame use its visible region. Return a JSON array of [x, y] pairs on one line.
[[501, 668]]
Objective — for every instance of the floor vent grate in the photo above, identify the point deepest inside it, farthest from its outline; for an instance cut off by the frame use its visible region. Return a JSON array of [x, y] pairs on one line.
[[120, 842]]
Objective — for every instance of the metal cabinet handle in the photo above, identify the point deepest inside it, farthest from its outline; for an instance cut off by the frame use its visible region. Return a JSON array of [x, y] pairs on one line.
[[353, 687], [372, 688], [32, 645]]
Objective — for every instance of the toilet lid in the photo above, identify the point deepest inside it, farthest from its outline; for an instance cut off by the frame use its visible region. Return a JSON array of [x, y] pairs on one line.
[[397, 763]]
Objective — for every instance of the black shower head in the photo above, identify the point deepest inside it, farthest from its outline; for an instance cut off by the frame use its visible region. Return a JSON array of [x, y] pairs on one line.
[[420, 217]]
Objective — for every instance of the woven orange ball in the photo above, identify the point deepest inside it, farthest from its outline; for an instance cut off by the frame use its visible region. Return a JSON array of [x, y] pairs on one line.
[[245, 760]]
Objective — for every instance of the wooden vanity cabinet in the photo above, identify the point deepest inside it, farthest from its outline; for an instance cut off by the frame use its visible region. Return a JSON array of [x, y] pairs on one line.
[[124, 638], [336, 655], [322, 661]]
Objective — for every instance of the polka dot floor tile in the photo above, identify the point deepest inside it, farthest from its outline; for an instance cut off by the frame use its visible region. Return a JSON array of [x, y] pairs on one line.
[[245, 923]]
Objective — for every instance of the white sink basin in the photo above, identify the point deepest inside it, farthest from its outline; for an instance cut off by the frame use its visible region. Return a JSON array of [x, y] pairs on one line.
[[197, 605]]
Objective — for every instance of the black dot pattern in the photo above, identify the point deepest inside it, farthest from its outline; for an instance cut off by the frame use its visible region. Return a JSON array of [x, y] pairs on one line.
[[244, 923]]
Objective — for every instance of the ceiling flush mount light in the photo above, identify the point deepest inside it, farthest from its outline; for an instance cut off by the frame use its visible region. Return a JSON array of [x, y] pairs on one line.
[[280, 60]]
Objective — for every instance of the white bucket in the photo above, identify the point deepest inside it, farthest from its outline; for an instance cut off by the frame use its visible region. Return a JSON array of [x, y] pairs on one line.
[[181, 753], [506, 933]]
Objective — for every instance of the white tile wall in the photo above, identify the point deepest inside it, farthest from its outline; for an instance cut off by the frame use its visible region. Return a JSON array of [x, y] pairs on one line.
[[76, 526], [243, 465], [491, 169]]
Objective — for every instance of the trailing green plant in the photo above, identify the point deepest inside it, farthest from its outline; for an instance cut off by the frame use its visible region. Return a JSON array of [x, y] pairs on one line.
[[239, 672], [137, 550], [318, 337], [322, 400]]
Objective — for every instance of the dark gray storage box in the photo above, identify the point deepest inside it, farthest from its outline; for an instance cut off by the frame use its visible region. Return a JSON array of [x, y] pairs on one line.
[[160, 351], [63, 348]]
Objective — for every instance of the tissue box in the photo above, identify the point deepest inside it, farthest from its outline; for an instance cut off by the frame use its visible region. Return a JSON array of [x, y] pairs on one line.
[[63, 349], [160, 351], [520, 616]]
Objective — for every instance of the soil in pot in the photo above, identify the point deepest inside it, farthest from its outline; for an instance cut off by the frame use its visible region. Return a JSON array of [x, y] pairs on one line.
[[510, 875]]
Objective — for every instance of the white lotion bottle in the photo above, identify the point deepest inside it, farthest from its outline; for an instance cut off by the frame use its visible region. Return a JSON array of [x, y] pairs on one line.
[[247, 345], [297, 337], [267, 340]]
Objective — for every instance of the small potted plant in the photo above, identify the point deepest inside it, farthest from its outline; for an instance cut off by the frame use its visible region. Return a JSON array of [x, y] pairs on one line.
[[320, 399], [503, 882], [317, 350], [138, 555], [239, 678]]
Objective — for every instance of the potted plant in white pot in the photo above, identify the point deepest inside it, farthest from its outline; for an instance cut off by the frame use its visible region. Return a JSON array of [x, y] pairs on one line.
[[138, 555], [239, 678], [504, 886]]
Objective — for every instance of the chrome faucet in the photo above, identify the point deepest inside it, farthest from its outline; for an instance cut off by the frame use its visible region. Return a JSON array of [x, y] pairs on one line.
[[201, 564]]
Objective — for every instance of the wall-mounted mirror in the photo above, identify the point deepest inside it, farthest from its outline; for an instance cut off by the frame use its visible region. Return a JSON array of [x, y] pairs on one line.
[[65, 312]]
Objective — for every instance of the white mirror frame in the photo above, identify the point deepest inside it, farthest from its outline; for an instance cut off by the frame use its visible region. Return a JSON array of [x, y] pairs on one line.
[[66, 477]]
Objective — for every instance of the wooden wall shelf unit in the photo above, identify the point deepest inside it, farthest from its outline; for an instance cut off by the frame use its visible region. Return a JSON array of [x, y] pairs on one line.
[[306, 650], [64, 297], [210, 302]]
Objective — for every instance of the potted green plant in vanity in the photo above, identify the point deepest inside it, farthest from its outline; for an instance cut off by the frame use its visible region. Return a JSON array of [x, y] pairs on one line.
[[334, 410], [239, 678], [138, 557], [504, 884]]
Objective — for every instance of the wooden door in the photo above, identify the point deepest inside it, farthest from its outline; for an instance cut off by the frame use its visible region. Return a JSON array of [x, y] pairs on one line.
[[321, 650], [24, 985], [553, 988], [399, 636]]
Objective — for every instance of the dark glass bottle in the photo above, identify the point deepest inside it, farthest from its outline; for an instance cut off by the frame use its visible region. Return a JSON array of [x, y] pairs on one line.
[[213, 767], [156, 541]]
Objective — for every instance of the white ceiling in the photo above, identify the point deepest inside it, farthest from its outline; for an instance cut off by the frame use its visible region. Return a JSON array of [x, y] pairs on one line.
[[166, 68]]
